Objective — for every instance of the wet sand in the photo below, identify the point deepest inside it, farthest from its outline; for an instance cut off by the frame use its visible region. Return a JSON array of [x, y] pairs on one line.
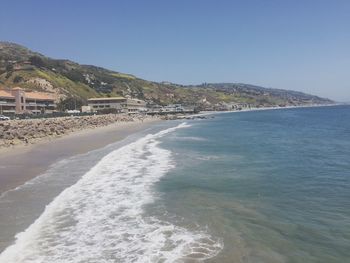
[[22, 163]]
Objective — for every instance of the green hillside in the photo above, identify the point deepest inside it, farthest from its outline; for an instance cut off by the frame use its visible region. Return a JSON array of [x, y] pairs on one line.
[[22, 67]]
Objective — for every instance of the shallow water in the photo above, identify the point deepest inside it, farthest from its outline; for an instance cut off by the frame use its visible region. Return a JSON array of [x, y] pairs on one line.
[[101, 218], [274, 185]]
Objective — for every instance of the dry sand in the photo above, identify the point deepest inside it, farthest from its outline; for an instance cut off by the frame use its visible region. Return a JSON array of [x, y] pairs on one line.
[[22, 163]]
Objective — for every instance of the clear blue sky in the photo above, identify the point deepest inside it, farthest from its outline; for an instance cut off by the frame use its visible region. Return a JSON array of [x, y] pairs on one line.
[[290, 44]]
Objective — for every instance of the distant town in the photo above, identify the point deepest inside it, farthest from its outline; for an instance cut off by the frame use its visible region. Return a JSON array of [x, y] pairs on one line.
[[18, 101]]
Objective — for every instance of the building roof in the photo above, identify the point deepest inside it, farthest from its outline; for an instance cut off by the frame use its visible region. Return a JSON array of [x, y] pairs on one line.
[[39, 96], [107, 98], [6, 94], [137, 100]]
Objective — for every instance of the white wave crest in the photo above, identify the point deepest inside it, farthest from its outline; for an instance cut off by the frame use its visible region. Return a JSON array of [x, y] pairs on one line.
[[101, 217], [191, 138]]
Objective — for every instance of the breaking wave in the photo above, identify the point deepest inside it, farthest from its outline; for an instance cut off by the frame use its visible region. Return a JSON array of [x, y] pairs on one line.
[[101, 218]]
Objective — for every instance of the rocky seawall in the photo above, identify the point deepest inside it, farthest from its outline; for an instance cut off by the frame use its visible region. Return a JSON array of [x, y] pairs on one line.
[[17, 132]]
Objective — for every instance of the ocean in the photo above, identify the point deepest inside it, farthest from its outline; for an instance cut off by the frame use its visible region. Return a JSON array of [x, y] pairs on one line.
[[259, 186]]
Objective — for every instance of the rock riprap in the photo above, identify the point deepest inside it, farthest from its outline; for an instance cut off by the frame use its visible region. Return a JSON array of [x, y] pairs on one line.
[[16, 132]]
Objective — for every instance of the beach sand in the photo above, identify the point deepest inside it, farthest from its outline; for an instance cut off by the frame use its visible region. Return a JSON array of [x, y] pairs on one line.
[[22, 163]]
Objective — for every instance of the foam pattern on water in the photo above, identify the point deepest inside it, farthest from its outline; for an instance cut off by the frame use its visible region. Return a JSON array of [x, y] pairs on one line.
[[101, 218]]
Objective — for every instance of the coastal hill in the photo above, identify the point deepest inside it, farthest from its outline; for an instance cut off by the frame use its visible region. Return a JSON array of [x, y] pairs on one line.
[[30, 70]]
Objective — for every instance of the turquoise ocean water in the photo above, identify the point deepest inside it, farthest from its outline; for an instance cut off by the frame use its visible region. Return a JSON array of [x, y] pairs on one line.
[[258, 187], [274, 185]]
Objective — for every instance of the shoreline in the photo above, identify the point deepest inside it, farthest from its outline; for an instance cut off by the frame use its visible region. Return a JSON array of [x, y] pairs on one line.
[[32, 131], [206, 113], [21, 163]]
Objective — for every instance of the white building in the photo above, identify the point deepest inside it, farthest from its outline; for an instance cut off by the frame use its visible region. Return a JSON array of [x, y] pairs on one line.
[[117, 103], [135, 105], [173, 108], [120, 104]]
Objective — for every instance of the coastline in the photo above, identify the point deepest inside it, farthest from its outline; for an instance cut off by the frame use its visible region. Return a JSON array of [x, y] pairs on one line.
[[23, 198], [206, 113], [31, 131], [22, 163]]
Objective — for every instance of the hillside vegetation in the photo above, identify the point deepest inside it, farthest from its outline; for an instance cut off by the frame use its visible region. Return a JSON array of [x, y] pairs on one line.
[[30, 70]]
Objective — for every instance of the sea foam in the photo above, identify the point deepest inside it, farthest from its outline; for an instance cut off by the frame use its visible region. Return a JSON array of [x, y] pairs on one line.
[[101, 218]]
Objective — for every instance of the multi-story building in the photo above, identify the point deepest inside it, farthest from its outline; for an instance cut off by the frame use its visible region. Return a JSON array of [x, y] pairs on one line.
[[119, 104], [135, 105], [7, 102], [173, 108], [170, 109], [19, 101]]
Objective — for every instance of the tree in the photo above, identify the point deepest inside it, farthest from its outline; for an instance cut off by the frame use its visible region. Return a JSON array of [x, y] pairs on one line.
[[9, 70], [9, 67], [37, 61], [17, 79], [70, 103], [75, 75]]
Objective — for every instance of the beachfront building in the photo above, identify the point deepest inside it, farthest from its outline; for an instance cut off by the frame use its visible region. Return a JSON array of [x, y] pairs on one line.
[[119, 104], [86, 109], [7, 102], [169, 109], [135, 105], [100, 104], [178, 108], [17, 101], [240, 106]]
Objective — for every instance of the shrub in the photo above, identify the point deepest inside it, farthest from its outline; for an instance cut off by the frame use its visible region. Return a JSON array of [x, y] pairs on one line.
[[17, 79]]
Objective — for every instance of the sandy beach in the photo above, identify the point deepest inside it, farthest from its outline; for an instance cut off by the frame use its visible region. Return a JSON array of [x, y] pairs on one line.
[[21, 163]]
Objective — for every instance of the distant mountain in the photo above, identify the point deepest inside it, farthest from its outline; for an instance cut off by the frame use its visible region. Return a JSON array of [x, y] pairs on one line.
[[255, 94], [30, 70]]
